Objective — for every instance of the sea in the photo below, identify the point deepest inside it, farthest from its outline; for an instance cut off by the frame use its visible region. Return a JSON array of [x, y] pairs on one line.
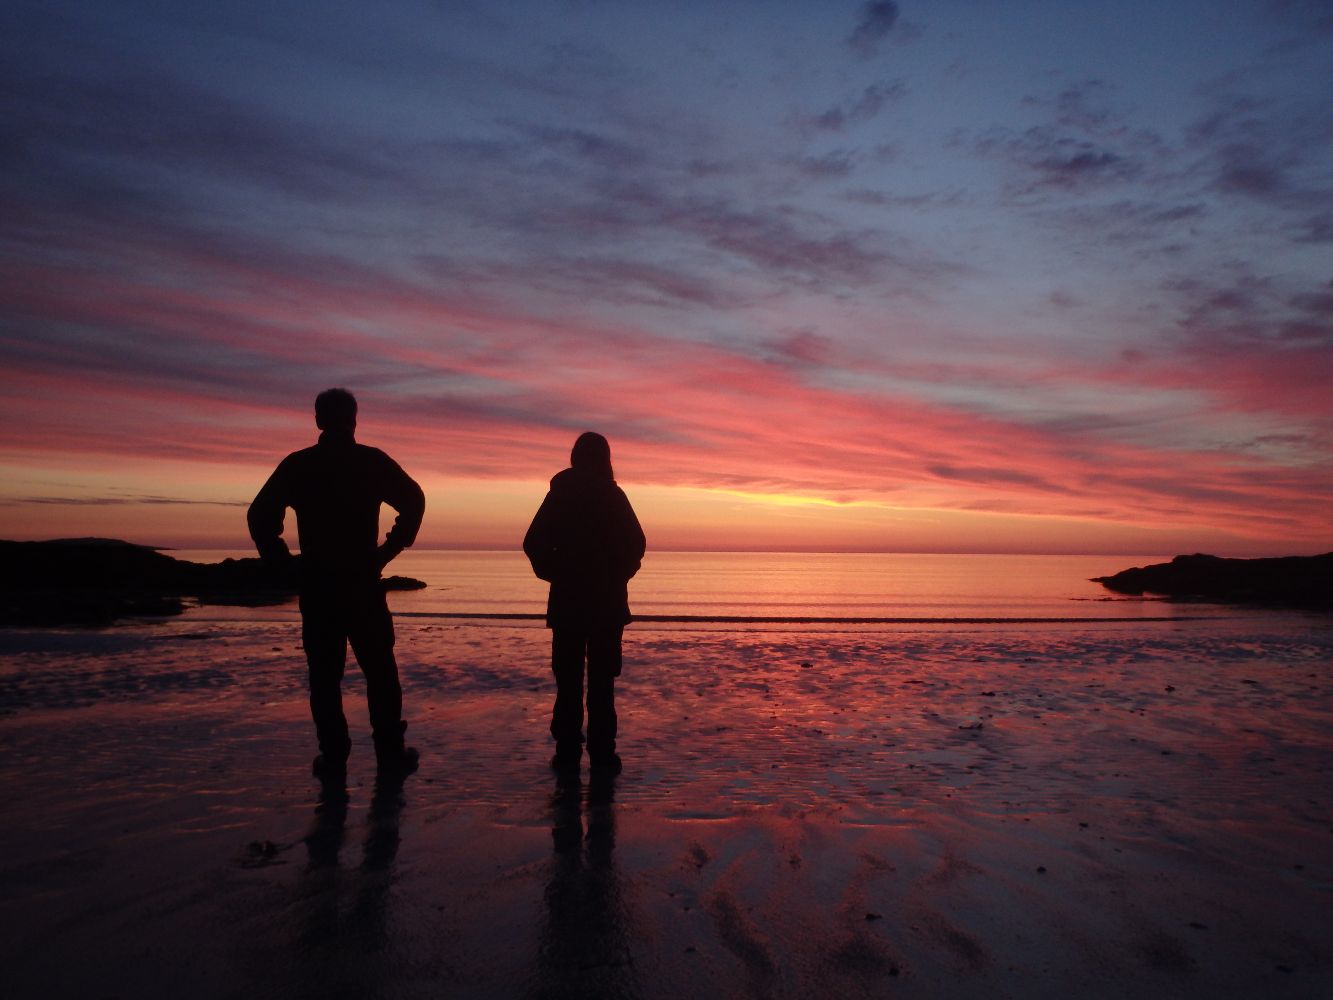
[[763, 589]]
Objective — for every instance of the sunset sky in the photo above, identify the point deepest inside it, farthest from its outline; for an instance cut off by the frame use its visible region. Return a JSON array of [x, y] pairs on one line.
[[947, 276]]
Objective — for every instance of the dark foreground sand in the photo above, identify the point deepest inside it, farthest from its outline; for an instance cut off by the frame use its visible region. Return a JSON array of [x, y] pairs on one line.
[[1102, 810]]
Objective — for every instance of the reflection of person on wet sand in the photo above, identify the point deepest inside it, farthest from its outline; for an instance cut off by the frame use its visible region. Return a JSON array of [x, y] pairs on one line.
[[380, 846], [587, 543], [584, 949], [344, 924], [336, 489]]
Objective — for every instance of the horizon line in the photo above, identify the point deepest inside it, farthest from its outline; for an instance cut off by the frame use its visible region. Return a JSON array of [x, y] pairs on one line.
[[740, 550]]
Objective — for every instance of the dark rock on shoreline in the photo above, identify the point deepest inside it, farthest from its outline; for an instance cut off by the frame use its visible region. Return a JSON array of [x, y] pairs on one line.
[[95, 581], [1290, 581]]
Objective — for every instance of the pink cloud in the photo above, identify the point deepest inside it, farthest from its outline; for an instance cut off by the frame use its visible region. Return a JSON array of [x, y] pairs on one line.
[[480, 390]]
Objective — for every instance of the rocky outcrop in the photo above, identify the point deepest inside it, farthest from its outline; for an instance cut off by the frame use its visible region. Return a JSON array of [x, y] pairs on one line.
[[93, 581], [1289, 581]]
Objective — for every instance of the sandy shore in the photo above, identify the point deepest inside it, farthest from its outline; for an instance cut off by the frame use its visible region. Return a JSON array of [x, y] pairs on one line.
[[1101, 810]]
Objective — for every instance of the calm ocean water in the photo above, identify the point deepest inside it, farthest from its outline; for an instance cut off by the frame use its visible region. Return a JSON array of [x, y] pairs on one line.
[[792, 586]]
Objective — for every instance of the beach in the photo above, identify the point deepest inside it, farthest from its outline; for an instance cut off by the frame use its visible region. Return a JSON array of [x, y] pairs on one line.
[[1100, 808]]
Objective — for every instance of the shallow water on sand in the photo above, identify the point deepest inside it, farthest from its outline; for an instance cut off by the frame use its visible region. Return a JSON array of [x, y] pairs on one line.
[[811, 718]]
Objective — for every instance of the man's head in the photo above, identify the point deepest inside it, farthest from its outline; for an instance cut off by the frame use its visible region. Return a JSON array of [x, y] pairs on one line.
[[335, 410]]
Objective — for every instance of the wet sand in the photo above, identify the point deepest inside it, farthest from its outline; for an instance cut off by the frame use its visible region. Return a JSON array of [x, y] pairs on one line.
[[1099, 809]]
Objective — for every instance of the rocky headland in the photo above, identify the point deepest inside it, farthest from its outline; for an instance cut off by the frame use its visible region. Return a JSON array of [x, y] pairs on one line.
[[96, 581], [1288, 581]]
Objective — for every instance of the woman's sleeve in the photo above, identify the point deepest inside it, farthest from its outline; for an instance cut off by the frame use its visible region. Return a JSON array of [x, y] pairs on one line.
[[539, 542], [632, 543]]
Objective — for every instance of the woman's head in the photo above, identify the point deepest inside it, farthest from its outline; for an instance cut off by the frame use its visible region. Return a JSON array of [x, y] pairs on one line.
[[592, 454]]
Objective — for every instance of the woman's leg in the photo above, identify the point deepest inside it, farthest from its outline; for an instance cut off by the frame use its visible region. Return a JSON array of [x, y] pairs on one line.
[[603, 668], [567, 651]]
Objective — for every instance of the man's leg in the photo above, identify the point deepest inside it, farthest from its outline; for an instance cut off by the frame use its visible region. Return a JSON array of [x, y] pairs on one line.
[[370, 629], [603, 668], [567, 651], [325, 642]]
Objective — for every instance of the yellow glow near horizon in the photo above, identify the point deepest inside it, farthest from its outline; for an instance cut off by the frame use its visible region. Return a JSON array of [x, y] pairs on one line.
[[797, 500], [202, 505]]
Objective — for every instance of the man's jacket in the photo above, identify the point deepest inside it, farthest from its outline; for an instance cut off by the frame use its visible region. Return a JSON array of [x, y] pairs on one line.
[[336, 488]]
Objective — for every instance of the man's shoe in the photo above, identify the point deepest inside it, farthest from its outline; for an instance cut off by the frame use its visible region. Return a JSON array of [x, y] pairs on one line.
[[403, 760], [606, 764]]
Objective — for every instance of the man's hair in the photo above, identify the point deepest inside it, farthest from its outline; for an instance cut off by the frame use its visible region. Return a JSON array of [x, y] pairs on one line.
[[335, 408]]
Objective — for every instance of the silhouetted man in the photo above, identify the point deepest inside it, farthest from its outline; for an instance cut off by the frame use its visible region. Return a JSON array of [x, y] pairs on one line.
[[586, 541], [336, 488]]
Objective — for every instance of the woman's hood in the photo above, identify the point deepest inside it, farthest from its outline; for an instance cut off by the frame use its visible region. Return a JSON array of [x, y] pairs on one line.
[[573, 480]]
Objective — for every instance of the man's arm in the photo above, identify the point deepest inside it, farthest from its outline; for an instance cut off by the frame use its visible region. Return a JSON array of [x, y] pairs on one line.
[[402, 493], [266, 514]]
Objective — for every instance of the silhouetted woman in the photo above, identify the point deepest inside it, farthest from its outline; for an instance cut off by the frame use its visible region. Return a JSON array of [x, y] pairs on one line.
[[586, 541]]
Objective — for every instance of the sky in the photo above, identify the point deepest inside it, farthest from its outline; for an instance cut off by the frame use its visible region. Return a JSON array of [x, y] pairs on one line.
[[947, 276]]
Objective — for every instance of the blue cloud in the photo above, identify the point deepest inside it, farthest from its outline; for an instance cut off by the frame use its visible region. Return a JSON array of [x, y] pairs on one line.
[[876, 21]]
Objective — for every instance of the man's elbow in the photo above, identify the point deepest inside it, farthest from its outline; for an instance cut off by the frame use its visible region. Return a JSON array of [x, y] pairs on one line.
[[414, 505], [260, 526]]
